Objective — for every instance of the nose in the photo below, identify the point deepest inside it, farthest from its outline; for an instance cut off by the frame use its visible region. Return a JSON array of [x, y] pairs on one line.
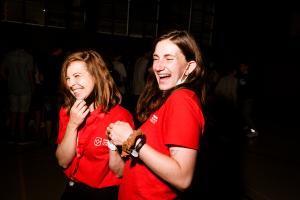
[[158, 65], [71, 82]]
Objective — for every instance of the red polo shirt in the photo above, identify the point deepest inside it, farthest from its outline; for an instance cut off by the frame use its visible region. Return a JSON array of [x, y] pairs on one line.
[[92, 154], [179, 122]]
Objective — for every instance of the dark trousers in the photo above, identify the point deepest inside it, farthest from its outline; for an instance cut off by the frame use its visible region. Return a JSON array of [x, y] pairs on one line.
[[84, 192]]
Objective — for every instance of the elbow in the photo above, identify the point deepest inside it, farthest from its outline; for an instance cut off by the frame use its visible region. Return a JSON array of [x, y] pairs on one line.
[[116, 163], [61, 162], [184, 185], [118, 173], [116, 169]]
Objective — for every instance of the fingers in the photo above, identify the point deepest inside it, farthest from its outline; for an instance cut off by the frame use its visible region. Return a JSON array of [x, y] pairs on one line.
[[118, 132], [79, 111], [79, 106], [85, 111], [107, 133], [109, 130], [117, 125], [111, 126]]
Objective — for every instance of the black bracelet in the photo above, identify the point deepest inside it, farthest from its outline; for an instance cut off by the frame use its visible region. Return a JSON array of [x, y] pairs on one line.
[[135, 151], [140, 144]]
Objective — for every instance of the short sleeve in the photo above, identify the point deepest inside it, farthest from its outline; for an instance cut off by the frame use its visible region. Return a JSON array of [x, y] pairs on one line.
[[121, 114], [184, 121], [63, 121]]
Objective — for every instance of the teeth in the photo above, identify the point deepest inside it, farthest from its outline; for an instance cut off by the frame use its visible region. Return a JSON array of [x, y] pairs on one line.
[[163, 76]]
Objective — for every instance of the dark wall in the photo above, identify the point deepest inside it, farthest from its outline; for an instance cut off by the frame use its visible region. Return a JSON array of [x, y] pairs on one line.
[[267, 35], [44, 38]]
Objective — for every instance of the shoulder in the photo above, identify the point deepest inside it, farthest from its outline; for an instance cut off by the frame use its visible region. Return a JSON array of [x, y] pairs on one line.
[[183, 106], [119, 110], [183, 94], [183, 99], [63, 115], [63, 112], [122, 114]]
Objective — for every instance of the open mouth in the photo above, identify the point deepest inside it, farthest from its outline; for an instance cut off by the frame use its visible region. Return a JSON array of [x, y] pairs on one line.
[[77, 92], [164, 76]]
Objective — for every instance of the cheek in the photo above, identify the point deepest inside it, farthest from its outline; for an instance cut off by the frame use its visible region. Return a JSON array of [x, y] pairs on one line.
[[154, 66], [90, 84], [176, 72], [181, 70], [85, 82], [68, 85]]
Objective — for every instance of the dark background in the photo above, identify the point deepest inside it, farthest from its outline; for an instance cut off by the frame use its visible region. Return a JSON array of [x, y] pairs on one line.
[[264, 33]]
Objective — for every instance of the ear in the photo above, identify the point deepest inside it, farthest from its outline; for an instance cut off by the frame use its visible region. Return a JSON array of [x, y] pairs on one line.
[[191, 66]]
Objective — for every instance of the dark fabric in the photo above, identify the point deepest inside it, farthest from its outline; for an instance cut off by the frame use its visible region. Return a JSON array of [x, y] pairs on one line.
[[84, 192]]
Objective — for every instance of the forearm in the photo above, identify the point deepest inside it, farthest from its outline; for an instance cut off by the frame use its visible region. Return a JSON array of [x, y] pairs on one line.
[[66, 150], [116, 163], [177, 170]]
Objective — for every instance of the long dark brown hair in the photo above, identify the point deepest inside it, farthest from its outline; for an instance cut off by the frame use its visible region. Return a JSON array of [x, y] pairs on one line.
[[152, 97], [105, 91]]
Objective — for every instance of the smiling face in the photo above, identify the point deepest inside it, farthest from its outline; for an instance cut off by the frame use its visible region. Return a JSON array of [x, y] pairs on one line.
[[79, 80], [169, 65]]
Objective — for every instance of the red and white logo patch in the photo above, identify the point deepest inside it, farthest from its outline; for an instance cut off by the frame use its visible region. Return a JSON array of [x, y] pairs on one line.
[[97, 141]]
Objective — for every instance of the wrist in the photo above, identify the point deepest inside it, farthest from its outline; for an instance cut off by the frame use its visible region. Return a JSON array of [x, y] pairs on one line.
[[111, 146], [131, 142], [139, 144], [72, 125], [128, 136]]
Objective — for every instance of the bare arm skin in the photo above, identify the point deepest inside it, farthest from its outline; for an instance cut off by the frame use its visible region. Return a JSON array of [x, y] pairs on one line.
[[66, 150], [116, 163], [177, 169]]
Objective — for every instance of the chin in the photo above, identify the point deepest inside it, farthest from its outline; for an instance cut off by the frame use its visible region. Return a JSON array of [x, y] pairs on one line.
[[165, 87], [79, 98]]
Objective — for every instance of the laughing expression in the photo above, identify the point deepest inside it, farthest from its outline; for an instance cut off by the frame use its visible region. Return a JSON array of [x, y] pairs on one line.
[[169, 64], [79, 80]]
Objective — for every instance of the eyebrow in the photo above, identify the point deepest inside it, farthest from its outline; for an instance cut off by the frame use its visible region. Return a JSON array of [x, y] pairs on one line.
[[166, 55], [76, 73]]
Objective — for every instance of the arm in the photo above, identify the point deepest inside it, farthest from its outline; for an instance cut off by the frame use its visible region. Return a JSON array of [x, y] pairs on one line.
[[177, 169], [116, 163], [182, 126], [66, 150]]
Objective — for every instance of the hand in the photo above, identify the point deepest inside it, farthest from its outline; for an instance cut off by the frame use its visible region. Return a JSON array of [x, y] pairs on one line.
[[118, 132], [78, 112]]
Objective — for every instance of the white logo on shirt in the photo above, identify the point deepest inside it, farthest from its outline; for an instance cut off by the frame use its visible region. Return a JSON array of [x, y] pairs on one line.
[[100, 141], [153, 119], [97, 141]]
